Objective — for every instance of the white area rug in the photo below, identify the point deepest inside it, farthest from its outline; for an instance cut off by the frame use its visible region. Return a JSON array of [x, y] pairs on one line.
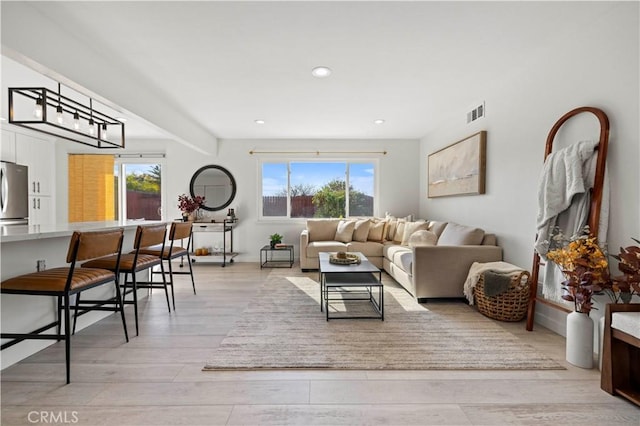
[[284, 328]]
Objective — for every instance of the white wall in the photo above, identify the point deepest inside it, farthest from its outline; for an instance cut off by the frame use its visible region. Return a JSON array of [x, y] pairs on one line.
[[398, 185], [396, 190], [597, 66]]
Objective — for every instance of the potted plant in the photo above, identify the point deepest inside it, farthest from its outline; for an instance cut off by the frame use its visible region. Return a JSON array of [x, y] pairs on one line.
[[189, 205], [624, 286], [275, 239], [585, 267]]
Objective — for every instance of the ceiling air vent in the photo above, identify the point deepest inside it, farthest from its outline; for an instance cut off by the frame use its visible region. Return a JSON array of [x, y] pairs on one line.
[[476, 113]]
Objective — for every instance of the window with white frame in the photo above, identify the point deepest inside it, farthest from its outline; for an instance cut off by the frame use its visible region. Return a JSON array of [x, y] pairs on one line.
[[321, 189], [139, 188]]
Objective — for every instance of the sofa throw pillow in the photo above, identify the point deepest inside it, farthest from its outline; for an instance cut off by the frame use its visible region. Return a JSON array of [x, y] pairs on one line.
[[460, 235], [361, 230], [410, 228], [344, 233], [437, 227], [322, 229], [376, 230], [392, 223], [397, 236], [422, 238]]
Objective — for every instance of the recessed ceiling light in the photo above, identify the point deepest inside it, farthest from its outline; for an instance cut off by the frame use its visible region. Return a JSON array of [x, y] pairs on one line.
[[259, 121], [378, 121], [321, 72], [122, 119]]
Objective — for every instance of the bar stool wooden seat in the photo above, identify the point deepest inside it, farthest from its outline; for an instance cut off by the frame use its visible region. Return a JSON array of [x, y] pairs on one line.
[[178, 231], [64, 282], [132, 263]]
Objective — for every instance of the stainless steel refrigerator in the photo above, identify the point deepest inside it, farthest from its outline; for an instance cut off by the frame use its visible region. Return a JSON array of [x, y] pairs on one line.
[[14, 194]]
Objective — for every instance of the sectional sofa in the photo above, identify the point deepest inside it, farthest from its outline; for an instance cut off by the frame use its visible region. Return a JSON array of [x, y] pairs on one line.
[[430, 259]]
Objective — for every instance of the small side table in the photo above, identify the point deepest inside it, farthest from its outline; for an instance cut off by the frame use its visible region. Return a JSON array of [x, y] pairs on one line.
[[275, 258]]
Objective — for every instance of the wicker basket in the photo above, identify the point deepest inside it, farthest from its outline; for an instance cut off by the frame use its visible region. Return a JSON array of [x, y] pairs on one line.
[[509, 306]]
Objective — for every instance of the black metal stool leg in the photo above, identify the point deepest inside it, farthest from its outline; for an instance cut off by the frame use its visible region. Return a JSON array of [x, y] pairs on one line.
[[120, 304], [75, 312], [193, 283], [59, 317], [171, 282], [166, 290], [135, 299], [67, 337]]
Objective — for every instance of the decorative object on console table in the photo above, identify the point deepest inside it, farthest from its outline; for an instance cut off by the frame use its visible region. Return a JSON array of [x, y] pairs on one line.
[[275, 239], [585, 267], [190, 206]]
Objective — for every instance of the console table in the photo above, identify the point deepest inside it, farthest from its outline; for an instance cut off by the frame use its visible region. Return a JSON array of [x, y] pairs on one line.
[[224, 254]]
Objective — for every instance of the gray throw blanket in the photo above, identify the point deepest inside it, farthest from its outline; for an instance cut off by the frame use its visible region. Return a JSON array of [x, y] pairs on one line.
[[495, 283]]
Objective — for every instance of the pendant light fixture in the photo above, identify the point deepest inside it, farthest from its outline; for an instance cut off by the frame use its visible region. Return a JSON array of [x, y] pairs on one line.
[[76, 121], [59, 112], [37, 111], [34, 107], [92, 124]]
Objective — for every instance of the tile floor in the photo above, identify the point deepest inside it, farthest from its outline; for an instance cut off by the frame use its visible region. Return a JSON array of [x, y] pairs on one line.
[[156, 378]]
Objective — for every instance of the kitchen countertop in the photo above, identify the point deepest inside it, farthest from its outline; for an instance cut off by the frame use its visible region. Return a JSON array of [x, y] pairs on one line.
[[14, 233]]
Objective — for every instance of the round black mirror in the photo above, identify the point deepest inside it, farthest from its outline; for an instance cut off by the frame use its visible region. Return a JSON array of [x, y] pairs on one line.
[[216, 185]]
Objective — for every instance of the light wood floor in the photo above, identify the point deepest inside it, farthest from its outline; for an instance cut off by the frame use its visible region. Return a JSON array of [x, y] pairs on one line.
[[156, 378]]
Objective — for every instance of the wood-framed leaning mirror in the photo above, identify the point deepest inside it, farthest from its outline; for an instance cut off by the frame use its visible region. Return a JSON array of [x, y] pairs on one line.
[[216, 184]]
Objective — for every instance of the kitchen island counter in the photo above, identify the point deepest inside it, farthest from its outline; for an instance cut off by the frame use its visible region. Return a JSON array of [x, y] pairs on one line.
[[15, 233]]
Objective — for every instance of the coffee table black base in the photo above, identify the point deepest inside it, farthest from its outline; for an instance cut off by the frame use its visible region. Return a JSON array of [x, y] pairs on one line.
[[360, 285]]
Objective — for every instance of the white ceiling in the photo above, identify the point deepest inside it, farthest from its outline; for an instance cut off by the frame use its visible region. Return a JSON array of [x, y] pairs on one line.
[[225, 64]]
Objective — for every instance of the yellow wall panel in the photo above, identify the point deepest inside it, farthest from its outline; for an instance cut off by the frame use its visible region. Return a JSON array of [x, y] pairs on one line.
[[91, 188]]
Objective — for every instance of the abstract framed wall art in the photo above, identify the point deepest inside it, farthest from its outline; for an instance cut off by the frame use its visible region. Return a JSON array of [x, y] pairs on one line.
[[458, 169]]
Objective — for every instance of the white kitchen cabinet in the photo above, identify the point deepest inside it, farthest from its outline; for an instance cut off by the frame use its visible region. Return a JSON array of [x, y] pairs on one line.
[[8, 146], [39, 156], [41, 211]]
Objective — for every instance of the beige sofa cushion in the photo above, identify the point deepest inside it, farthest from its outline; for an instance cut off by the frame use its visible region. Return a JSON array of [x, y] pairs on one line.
[[377, 230], [322, 229], [369, 249], [410, 228], [389, 250], [460, 235], [316, 247], [404, 260], [422, 238], [344, 231], [489, 240], [392, 224], [437, 227], [361, 230], [397, 236]]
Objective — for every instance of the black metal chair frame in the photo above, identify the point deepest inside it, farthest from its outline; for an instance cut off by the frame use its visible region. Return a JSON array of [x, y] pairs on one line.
[[64, 305], [170, 255], [132, 286]]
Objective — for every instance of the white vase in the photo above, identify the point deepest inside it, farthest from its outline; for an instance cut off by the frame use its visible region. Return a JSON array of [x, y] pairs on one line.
[[579, 340], [600, 341]]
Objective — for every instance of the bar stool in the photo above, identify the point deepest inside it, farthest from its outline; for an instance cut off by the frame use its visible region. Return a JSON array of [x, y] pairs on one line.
[[134, 262], [178, 231], [64, 282]]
